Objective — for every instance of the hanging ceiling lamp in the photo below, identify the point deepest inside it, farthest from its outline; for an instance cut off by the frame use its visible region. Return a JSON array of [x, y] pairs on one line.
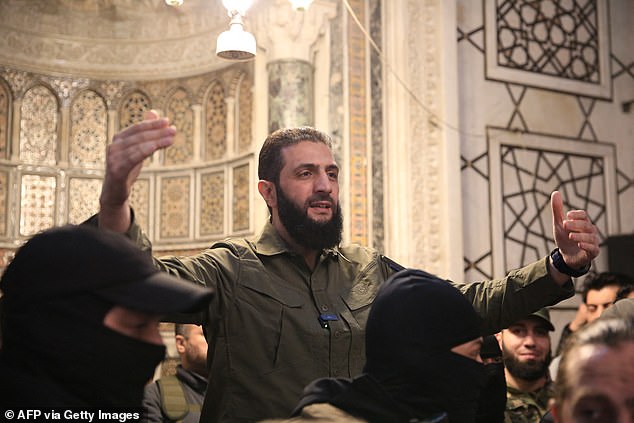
[[236, 44]]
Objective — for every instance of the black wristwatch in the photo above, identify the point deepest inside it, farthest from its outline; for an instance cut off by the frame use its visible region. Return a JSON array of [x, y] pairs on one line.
[[560, 264]]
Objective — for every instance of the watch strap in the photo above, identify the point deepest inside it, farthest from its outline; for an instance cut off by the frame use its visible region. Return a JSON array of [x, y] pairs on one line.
[[560, 265]]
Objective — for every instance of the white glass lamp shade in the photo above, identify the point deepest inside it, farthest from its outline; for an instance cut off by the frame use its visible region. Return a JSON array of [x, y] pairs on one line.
[[236, 44]]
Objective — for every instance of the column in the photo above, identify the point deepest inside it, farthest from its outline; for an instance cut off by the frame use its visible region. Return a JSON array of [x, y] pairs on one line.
[[290, 39]]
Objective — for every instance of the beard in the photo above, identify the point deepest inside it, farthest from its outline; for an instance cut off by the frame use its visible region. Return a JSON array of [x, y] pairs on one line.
[[530, 370], [305, 231]]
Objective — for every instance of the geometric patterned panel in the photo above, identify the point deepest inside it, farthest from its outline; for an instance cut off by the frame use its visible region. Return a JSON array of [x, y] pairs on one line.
[[132, 109], [4, 201], [358, 129], [140, 201], [550, 44], [37, 203], [216, 123], [88, 136], [4, 119], [245, 104], [180, 114], [175, 206], [240, 205], [524, 171], [212, 210], [38, 126], [83, 198]]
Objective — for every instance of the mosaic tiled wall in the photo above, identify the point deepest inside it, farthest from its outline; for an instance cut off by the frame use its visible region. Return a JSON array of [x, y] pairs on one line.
[[542, 86], [64, 126], [358, 130]]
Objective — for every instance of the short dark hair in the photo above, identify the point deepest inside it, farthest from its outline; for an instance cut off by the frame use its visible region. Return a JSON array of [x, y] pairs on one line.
[[181, 329], [597, 281], [270, 162], [624, 291], [609, 332]]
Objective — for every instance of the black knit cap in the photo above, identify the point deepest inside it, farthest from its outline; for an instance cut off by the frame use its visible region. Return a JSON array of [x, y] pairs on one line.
[[73, 260], [416, 310]]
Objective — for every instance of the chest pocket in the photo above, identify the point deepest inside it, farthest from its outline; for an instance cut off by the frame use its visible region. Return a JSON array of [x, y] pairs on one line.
[[364, 289], [271, 319]]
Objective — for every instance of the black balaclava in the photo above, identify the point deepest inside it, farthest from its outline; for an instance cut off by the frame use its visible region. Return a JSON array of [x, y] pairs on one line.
[[414, 322], [64, 343], [492, 402]]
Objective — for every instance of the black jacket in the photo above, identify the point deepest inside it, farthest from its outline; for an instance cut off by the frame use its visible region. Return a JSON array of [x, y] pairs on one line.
[[193, 388]]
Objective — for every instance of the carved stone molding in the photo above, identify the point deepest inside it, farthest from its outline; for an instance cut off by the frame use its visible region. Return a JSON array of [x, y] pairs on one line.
[[424, 71], [288, 34], [114, 39]]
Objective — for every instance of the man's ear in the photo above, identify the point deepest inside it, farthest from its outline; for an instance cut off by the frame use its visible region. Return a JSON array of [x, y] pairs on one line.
[[498, 336], [267, 191], [180, 343]]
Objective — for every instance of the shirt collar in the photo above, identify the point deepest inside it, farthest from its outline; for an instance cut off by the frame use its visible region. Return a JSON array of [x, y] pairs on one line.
[[269, 243]]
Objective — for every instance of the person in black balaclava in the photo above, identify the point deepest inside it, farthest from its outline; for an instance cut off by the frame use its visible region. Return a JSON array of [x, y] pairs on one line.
[[80, 314], [492, 401], [422, 360]]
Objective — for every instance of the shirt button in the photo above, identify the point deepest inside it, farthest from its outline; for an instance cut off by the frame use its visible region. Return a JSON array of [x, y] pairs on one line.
[[338, 334], [324, 307]]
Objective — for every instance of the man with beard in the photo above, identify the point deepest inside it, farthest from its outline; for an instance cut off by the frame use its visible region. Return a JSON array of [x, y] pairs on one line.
[[418, 369], [180, 397], [526, 353], [291, 303]]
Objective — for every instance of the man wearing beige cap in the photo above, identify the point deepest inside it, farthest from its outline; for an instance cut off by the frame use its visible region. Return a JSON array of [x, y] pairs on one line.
[[526, 353]]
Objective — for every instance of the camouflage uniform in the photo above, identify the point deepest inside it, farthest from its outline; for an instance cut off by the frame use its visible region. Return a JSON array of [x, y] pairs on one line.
[[527, 407]]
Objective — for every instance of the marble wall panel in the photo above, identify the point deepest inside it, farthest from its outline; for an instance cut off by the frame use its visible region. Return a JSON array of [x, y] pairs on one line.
[[83, 198], [174, 206], [241, 204], [212, 203], [38, 197]]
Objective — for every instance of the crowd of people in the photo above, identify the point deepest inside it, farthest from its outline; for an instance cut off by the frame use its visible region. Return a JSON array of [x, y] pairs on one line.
[[297, 326]]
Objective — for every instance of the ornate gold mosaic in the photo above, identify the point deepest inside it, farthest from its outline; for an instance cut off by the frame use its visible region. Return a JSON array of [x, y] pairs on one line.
[[241, 185], [88, 138], [4, 120], [38, 126], [132, 109], [175, 207], [180, 115], [83, 198], [61, 134], [212, 202], [216, 121], [245, 103], [37, 203]]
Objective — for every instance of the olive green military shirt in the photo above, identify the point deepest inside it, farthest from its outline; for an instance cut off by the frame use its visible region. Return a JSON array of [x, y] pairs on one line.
[[266, 340], [527, 407]]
